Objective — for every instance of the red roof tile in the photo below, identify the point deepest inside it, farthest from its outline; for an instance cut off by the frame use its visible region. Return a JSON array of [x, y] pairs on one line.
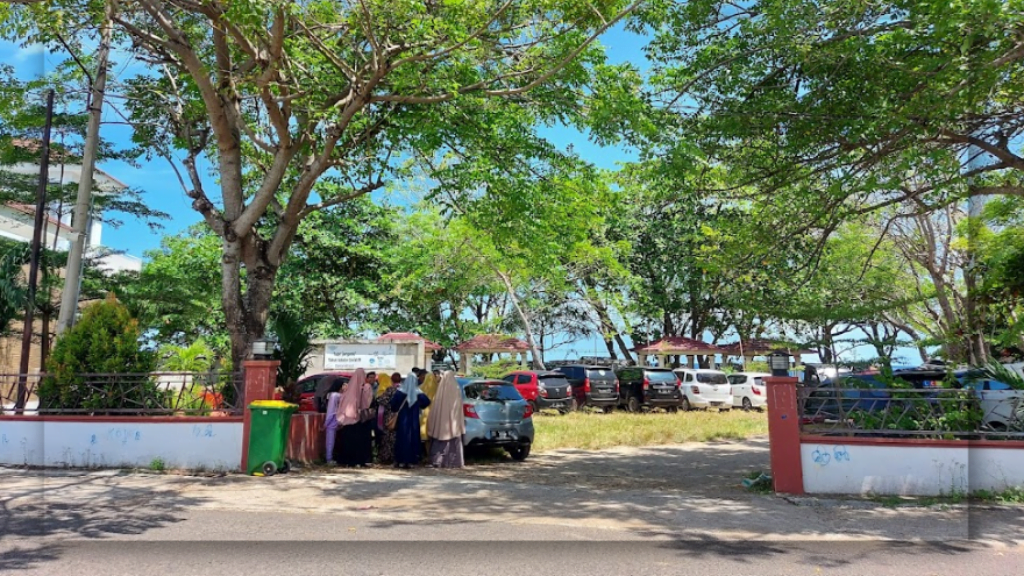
[[398, 336], [493, 342], [759, 347], [677, 345]]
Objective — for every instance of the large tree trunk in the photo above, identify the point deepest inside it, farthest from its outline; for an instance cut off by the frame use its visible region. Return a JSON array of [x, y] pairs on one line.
[[527, 325], [245, 311]]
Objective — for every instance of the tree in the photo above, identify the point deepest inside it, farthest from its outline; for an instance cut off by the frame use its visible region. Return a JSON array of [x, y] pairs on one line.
[[280, 95], [830, 109], [13, 256]]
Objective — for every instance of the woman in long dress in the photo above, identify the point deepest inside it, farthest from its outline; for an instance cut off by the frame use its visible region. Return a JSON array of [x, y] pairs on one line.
[[355, 441], [408, 402], [446, 424], [429, 388], [330, 428], [386, 445]]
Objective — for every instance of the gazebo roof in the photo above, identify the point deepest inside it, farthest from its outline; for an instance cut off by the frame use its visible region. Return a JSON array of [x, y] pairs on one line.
[[760, 347], [493, 343], [678, 345], [406, 336]]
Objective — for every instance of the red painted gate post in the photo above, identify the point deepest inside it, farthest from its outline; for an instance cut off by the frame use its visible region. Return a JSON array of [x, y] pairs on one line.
[[260, 377], [784, 435]]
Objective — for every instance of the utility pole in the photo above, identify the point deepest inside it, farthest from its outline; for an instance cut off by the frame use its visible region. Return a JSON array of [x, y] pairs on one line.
[[80, 221], [33, 267]]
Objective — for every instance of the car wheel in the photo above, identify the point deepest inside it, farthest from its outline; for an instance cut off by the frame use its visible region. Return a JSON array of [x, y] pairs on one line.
[[686, 405], [672, 409], [574, 404], [534, 407], [633, 404], [746, 404], [519, 453], [609, 409]]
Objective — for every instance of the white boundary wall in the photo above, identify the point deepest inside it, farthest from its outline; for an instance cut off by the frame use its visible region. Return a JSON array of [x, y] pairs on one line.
[[909, 470], [208, 444]]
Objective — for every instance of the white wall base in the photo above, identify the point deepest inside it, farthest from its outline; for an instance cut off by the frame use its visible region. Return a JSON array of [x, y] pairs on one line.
[[210, 445], [909, 470]]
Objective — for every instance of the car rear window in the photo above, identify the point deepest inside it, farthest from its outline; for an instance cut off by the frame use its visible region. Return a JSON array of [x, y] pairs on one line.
[[708, 378], [553, 380], [738, 379], [758, 381], [666, 376], [309, 386], [597, 374], [491, 392]]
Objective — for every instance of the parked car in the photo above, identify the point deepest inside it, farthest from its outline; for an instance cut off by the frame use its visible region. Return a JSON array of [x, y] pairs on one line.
[[496, 415], [748, 390], [542, 389], [313, 390], [641, 388], [703, 388], [592, 386]]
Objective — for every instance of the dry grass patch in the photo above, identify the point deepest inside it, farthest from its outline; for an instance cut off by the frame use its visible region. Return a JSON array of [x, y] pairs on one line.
[[592, 431]]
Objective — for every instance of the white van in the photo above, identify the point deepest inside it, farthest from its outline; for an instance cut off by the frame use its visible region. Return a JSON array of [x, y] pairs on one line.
[[705, 389]]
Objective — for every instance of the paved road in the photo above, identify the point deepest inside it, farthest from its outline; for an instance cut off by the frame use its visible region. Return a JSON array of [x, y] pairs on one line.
[[669, 510], [246, 543]]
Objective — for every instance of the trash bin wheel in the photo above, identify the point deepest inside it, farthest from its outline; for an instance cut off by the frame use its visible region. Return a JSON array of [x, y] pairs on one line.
[[269, 468], [285, 468]]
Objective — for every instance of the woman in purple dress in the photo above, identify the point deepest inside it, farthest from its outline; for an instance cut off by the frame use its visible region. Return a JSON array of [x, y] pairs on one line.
[[330, 427]]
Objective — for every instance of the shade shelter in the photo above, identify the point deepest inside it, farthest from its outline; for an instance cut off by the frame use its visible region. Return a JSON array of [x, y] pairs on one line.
[[677, 346], [490, 344], [748, 350], [427, 347]]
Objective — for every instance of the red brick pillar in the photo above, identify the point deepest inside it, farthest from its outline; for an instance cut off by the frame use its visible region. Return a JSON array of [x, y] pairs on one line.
[[260, 377], [784, 435]]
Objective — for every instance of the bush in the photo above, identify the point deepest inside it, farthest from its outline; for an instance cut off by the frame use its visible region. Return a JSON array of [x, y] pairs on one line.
[[104, 341], [496, 369]]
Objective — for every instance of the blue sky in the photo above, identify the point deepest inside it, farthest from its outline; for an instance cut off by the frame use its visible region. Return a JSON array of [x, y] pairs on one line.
[[162, 191]]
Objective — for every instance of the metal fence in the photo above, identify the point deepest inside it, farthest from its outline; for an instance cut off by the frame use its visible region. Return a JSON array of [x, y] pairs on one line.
[[936, 413], [153, 394]]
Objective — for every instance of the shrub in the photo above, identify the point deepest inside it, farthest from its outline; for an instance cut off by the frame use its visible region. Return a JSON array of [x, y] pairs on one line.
[[104, 341], [497, 369]]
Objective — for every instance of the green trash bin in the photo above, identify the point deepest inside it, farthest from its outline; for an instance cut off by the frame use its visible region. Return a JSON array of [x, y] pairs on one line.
[[268, 436]]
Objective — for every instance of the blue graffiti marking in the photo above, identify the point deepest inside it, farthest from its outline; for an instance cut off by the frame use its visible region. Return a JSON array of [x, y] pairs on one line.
[[840, 453], [821, 458], [203, 431], [92, 439], [4, 440], [138, 435]]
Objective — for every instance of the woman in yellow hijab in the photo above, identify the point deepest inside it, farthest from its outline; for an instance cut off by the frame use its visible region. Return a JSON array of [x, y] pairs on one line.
[[429, 389]]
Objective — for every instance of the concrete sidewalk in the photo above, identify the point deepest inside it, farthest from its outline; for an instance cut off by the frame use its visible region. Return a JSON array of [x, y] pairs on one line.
[[675, 492]]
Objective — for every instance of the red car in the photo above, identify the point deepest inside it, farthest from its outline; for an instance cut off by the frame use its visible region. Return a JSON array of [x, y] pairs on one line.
[[543, 389], [313, 390]]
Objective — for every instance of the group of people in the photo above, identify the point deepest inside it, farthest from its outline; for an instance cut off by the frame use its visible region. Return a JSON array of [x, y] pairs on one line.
[[395, 421]]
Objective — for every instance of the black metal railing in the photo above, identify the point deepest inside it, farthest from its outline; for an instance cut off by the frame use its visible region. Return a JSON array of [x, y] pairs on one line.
[[937, 413], [153, 394]]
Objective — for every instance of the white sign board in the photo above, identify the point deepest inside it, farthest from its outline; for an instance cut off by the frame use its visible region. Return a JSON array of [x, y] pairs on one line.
[[352, 356]]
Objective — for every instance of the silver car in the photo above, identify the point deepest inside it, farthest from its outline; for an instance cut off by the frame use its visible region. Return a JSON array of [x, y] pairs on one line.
[[496, 415]]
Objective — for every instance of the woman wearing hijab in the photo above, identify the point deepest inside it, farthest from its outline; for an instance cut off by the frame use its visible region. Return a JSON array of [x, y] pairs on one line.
[[428, 385], [330, 428], [408, 402], [386, 437], [355, 443], [446, 424]]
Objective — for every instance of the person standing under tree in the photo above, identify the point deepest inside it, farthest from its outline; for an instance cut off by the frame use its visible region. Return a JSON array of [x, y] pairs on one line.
[[408, 402], [446, 424]]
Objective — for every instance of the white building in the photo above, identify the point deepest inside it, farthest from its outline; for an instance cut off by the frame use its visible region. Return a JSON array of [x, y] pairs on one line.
[[16, 220]]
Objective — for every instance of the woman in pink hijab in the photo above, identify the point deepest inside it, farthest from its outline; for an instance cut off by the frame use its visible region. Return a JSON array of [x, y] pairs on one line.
[[355, 441]]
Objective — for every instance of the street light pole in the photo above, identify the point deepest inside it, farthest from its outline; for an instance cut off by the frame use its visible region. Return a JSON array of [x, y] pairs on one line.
[[33, 267]]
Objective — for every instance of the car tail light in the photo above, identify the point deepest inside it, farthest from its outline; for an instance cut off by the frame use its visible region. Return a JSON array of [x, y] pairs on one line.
[[528, 412], [695, 389], [586, 385], [647, 383], [469, 411], [679, 383], [543, 392], [616, 385], [757, 391]]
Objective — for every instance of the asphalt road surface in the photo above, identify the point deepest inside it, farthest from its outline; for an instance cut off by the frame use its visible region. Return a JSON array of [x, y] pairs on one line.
[[248, 543]]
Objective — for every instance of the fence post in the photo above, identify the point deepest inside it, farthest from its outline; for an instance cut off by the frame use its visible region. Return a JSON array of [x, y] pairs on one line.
[[784, 435], [260, 376]]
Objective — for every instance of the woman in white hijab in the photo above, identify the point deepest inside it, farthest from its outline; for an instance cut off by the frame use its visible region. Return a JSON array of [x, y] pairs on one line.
[[446, 424], [407, 404]]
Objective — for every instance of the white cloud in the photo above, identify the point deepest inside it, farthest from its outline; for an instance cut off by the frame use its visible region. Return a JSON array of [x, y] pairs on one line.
[[29, 52]]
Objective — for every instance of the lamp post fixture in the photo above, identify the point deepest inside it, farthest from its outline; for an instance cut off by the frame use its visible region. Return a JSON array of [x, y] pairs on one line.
[[779, 363], [263, 348]]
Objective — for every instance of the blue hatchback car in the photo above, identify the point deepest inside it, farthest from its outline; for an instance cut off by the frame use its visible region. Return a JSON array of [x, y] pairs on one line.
[[496, 416]]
